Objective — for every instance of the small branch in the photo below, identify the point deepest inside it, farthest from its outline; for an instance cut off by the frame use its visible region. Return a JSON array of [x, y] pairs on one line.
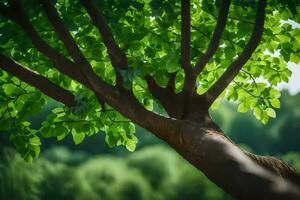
[[171, 83], [163, 40], [251, 76], [185, 50], [73, 121], [240, 86], [38, 81], [15, 98], [240, 20], [200, 31], [156, 90], [62, 30], [185, 34], [116, 54], [171, 101], [237, 65], [190, 79], [216, 38]]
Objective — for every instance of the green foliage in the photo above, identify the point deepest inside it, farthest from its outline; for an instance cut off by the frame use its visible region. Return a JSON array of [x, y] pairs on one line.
[[154, 173], [149, 32], [16, 177], [278, 136]]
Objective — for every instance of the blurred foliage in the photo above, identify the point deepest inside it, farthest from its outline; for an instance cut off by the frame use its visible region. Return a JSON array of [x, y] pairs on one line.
[[153, 173], [279, 136]]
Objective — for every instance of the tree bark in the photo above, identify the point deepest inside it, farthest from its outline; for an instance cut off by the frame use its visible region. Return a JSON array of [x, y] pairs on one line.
[[241, 174], [204, 145]]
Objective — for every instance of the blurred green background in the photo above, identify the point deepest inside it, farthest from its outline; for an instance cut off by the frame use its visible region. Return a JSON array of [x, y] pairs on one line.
[[92, 171]]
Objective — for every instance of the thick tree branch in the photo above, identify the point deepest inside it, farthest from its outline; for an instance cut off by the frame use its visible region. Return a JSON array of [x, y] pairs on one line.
[[116, 54], [16, 13], [36, 80], [242, 175], [62, 30], [116, 98], [216, 38], [237, 65]]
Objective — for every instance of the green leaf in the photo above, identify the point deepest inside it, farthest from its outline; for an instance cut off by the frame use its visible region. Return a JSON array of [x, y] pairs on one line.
[[58, 110], [35, 141], [295, 58], [26, 123], [78, 137], [275, 103], [264, 118], [271, 112], [243, 107], [257, 113], [131, 145]]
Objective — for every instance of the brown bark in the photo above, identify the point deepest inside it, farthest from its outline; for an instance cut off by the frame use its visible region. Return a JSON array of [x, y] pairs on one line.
[[241, 174], [234, 170], [191, 76], [38, 81], [116, 54]]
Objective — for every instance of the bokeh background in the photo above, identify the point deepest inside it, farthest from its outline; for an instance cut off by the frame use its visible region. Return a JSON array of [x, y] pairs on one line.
[[92, 171]]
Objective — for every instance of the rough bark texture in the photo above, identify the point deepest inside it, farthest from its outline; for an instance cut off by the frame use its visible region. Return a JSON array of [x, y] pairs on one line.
[[236, 171], [188, 129]]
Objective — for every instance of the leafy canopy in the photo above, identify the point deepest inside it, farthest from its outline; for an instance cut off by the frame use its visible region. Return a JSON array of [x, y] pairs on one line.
[[149, 33]]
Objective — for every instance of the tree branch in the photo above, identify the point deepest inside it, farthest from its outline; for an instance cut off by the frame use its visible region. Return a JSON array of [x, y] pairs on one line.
[[190, 77], [116, 98], [156, 90], [62, 30], [16, 13], [237, 65], [166, 96], [171, 83], [188, 86], [216, 38], [228, 166], [116, 54], [185, 34], [38, 81]]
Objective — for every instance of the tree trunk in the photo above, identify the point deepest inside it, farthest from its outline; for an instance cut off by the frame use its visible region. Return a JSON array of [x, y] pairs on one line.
[[204, 145], [241, 174]]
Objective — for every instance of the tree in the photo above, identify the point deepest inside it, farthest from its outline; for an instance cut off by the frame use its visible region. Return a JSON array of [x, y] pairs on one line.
[[108, 75]]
